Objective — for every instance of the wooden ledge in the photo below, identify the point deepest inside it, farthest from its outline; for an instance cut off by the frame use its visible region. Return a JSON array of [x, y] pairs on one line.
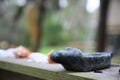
[[56, 71]]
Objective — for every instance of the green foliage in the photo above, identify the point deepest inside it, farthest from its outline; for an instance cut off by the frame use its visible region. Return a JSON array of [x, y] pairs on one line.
[[47, 49], [3, 28], [52, 31], [24, 39], [24, 36], [83, 34]]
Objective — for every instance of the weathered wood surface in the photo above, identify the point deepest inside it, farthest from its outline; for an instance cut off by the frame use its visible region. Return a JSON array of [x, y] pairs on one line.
[[9, 75], [56, 71]]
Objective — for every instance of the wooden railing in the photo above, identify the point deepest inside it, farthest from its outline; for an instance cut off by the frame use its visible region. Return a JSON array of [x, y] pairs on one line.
[[20, 69]]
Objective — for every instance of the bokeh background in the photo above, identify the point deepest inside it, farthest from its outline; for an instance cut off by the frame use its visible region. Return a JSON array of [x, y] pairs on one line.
[[44, 25]]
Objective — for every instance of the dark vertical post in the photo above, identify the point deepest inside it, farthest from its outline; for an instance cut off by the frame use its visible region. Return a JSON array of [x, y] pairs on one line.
[[102, 27]]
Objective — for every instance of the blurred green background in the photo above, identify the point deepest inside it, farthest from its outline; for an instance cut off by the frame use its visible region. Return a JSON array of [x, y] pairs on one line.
[[45, 25]]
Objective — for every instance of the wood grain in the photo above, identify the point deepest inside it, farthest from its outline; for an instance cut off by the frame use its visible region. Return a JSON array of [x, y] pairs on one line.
[[55, 71]]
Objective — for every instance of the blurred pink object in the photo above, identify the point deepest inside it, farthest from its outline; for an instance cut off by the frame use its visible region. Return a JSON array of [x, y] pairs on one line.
[[21, 52]]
